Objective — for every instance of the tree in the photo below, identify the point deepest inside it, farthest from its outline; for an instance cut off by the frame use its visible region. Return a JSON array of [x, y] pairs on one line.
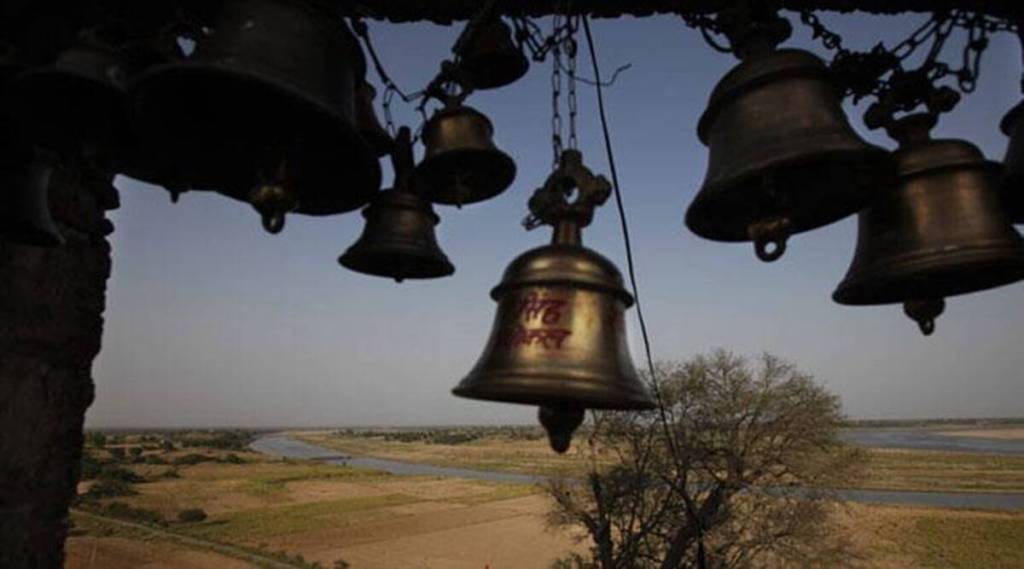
[[734, 466]]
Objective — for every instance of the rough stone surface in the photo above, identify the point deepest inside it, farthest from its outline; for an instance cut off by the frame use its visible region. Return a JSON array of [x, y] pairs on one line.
[[51, 306]]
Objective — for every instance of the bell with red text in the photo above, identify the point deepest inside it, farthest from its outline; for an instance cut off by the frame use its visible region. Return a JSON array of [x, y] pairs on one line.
[[24, 203], [488, 58], [270, 82], [462, 165], [940, 231], [783, 157], [1012, 126], [559, 339]]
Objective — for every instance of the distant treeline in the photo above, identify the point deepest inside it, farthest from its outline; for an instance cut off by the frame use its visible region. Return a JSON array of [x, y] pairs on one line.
[[883, 423], [444, 435]]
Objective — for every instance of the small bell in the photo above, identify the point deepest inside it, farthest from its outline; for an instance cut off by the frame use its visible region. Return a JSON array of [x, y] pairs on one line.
[[399, 240], [275, 80], [783, 157], [462, 165], [1012, 126], [559, 339], [24, 203], [488, 57], [369, 127], [940, 231]]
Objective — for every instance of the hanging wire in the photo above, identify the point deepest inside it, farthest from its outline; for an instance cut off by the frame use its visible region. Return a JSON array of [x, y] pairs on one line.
[[391, 89], [701, 553]]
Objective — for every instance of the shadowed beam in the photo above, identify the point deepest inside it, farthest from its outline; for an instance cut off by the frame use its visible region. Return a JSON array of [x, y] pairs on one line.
[[447, 11]]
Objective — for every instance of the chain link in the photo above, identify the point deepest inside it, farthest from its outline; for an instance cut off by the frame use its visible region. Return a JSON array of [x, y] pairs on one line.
[[556, 95], [570, 47]]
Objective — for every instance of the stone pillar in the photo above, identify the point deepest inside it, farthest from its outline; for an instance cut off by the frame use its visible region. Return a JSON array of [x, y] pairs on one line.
[[51, 307]]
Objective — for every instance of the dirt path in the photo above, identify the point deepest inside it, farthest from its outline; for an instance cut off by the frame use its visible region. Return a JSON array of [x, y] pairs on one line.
[[195, 542]]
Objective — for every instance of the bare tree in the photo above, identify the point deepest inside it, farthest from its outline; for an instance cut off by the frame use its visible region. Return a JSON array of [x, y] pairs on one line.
[[733, 470]]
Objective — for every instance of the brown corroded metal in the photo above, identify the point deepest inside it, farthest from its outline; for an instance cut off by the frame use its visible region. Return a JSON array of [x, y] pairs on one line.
[[462, 165], [559, 338], [940, 231], [783, 157], [399, 239], [273, 82]]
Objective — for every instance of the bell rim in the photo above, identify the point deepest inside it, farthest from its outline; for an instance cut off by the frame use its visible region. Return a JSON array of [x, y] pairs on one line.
[[543, 389], [344, 134], [426, 175], [730, 87], [873, 160], [520, 65], [862, 289], [355, 258]]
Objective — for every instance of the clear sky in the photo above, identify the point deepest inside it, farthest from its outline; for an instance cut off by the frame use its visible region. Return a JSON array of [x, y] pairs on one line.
[[210, 321]]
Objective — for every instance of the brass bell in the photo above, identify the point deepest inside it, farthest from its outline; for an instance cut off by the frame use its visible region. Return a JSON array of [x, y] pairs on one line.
[[559, 338], [488, 57], [24, 203], [91, 75], [783, 157], [398, 240], [273, 82], [1013, 164], [462, 165], [366, 121], [940, 231]]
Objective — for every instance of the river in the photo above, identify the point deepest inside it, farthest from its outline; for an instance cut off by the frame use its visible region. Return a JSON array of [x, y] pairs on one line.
[[286, 447]]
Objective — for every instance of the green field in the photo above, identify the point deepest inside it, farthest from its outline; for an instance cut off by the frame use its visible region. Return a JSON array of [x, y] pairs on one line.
[[265, 512]]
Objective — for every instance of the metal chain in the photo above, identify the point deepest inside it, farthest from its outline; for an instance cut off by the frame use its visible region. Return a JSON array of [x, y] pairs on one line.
[[570, 47], [556, 95]]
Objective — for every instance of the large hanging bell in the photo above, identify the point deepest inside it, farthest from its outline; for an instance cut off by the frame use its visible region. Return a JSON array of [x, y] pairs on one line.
[[76, 103], [488, 57], [559, 338], [272, 83], [1012, 126], [462, 165], [783, 157], [398, 240], [940, 231], [24, 202]]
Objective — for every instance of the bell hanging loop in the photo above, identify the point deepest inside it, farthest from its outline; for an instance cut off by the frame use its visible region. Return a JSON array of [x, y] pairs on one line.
[[940, 230], [559, 339], [924, 312], [273, 199]]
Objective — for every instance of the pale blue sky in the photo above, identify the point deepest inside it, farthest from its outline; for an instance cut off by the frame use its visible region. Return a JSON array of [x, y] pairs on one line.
[[210, 321]]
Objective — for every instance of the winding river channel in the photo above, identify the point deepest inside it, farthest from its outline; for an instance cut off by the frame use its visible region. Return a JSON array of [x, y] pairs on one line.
[[280, 445]]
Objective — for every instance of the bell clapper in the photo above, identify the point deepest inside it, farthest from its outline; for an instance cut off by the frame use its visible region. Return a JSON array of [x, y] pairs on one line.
[[769, 237], [273, 199], [560, 422], [924, 312]]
